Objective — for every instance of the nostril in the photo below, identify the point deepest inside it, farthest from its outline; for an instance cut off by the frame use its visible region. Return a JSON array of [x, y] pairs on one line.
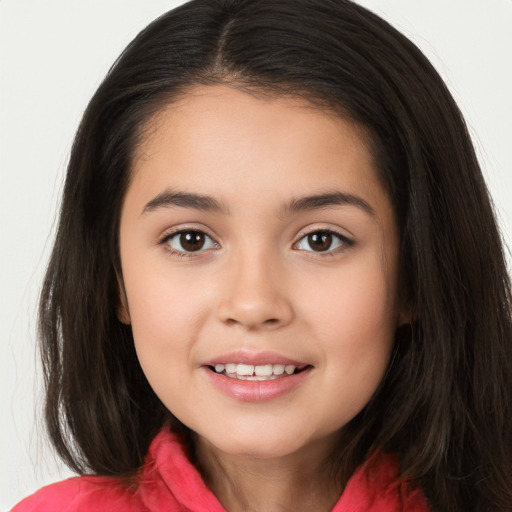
[[268, 321]]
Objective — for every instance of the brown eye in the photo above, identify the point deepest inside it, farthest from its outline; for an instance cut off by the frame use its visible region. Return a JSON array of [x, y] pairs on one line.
[[189, 241], [320, 241], [323, 241], [192, 240]]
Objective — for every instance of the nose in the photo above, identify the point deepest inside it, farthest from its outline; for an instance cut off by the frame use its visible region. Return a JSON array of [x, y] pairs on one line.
[[254, 294]]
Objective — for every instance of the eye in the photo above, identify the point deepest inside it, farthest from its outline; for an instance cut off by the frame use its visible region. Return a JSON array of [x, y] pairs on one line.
[[323, 241], [189, 241]]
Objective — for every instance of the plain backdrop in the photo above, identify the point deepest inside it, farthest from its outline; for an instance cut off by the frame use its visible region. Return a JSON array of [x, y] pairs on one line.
[[53, 55]]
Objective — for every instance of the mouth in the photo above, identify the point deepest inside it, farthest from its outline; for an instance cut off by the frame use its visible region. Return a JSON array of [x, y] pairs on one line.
[[249, 372], [256, 376]]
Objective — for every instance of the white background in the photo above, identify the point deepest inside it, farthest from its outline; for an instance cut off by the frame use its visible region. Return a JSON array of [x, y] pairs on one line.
[[53, 55]]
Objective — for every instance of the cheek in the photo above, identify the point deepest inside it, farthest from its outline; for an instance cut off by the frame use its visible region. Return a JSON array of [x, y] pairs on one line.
[[165, 313], [164, 320], [355, 317], [355, 302]]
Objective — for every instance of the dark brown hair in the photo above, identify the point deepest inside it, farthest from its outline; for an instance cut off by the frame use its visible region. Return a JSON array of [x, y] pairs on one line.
[[445, 403]]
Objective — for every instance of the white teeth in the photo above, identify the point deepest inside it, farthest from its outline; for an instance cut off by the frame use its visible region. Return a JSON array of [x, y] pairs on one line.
[[231, 368], [278, 369], [245, 369], [258, 372], [263, 371], [289, 369]]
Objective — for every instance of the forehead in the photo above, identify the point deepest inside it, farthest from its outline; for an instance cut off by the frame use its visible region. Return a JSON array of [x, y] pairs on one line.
[[216, 139], [204, 103]]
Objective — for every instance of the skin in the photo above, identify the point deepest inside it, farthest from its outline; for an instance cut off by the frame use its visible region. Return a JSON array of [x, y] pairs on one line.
[[257, 284]]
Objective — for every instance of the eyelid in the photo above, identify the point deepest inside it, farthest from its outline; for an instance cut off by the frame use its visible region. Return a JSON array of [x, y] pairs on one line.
[[346, 240], [177, 230], [325, 226]]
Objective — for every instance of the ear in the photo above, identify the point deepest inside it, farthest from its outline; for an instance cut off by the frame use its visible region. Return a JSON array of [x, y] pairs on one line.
[[403, 319], [407, 315], [123, 313]]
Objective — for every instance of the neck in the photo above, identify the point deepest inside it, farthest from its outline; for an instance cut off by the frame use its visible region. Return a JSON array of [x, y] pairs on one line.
[[297, 482]]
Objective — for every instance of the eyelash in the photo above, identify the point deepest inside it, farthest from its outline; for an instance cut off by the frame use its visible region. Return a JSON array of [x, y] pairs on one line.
[[166, 239], [343, 242]]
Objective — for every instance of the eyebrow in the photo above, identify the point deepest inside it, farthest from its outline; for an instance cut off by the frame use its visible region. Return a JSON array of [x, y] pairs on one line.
[[335, 198], [169, 198]]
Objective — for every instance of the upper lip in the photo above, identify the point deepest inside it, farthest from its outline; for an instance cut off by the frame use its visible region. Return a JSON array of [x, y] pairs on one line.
[[254, 358]]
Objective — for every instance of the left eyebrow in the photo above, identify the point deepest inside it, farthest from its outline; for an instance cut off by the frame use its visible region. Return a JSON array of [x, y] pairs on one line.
[[319, 201]]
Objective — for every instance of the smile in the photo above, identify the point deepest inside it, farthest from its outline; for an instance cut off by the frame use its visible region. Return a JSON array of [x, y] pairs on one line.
[[257, 382], [264, 372], [260, 376]]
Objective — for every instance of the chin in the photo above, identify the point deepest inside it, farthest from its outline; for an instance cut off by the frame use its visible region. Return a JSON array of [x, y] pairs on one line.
[[256, 449], [256, 443]]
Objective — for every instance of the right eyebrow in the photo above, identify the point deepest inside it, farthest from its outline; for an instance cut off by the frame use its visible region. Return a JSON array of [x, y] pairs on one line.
[[170, 198]]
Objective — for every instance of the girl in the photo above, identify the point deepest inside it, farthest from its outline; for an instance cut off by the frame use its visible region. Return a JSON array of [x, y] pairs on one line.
[[277, 282]]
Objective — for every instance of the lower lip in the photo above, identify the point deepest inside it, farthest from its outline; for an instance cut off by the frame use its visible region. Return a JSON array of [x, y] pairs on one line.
[[256, 390]]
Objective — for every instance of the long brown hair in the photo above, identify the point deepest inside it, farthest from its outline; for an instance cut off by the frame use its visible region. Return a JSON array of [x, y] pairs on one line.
[[445, 404]]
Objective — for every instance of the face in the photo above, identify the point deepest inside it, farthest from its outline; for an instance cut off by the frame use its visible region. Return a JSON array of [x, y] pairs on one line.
[[259, 259]]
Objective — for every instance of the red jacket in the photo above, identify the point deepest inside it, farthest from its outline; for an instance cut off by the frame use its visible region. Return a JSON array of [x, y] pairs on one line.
[[169, 482]]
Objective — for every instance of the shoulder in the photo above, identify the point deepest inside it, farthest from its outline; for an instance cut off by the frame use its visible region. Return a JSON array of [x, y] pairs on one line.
[[82, 494], [167, 481], [377, 486]]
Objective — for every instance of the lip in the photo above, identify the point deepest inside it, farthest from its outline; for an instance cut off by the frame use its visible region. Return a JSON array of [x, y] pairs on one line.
[[254, 358], [255, 391]]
